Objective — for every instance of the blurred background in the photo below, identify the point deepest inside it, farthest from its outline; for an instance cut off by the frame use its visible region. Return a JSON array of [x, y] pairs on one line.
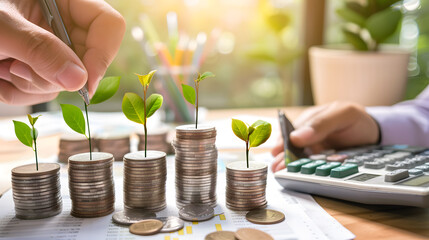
[[256, 48]]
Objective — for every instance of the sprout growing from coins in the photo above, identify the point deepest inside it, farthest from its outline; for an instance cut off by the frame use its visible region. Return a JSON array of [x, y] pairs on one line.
[[253, 135], [28, 135], [139, 110], [191, 94], [73, 116]]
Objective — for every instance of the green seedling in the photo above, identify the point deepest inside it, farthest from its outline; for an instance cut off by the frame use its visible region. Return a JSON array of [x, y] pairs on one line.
[[28, 135], [139, 110], [253, 135], [377, 18], [73, 116], [191, 94]]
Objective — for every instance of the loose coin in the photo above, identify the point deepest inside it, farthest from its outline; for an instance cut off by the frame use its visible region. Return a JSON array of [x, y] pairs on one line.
[[252, 234], [171, 224], [196, 212], [127, 217], [220, 235], [265, 216], [146, 227]]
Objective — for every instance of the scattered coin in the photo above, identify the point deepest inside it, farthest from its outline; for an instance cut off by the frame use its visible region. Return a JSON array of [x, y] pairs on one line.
[[127, 217], [252, 234], [196, 212], [146, 227], [196, 165], [171, 224], [220, 235], [265, 216]]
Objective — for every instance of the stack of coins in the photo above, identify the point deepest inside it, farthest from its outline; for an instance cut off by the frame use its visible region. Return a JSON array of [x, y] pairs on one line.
[[245, 187], [71, 144], [144, 180], [156, 140], [36, 193], [91, 184], [196, 165], [119, 145]]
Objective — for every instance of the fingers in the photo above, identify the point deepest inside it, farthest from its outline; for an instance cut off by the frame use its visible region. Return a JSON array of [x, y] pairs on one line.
[[10, 94], [308, 114], [43, 52], [278, 148], [277, 161]]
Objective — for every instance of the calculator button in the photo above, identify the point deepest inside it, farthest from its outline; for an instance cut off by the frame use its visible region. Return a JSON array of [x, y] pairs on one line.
[[325, 170], [296, 165], [408, 164], [374, 165], [424, 168], [392, 167], [354, 161], [344, 170], [336, 158], [310, 168], [415, 171], [396, 175], [318, 157]]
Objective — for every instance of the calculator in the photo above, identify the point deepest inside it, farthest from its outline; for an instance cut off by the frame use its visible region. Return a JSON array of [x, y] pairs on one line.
[[388, 175]]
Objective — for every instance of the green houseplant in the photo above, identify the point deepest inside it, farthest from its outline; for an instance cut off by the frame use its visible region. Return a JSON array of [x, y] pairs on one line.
[[360, 70]]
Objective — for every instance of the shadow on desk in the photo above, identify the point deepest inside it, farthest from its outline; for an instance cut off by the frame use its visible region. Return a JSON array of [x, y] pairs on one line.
[[379, 221]]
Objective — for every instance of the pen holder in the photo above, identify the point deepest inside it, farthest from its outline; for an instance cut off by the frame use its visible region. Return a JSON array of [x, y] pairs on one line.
[[245, 186]]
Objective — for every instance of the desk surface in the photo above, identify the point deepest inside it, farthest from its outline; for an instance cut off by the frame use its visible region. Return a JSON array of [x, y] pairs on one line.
[[365, 221]]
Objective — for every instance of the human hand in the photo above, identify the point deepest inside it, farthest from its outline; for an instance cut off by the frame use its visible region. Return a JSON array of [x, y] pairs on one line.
[[332, 126], [35, 65]]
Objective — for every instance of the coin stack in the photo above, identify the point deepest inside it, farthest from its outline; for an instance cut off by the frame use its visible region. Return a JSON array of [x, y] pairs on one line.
[[120, 145], [245, 187], [71, 144], [37, 193], [156, 140], [196, 165], [91, 184], [144, 180]]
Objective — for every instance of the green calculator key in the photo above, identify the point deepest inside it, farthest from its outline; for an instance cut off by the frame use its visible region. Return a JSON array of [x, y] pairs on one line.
[[344, 170], [310, 168], [325, 170], [295, 166]]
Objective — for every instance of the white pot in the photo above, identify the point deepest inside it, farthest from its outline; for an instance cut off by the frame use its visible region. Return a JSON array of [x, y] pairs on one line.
[[367, 78]]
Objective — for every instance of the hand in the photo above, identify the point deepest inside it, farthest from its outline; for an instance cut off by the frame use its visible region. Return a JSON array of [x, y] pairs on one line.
[[35, 65], [332, 126]]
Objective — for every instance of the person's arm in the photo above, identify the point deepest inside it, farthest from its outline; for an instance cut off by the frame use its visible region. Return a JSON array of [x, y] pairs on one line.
[[404, 123]]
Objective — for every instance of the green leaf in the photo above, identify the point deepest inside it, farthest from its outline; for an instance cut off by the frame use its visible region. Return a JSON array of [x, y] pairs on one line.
[[351, 16], [250, 130], [23, 133], [32, 120], [204, 76], [278, 21], [133, 107], [106, 89], [189, 93], [358, 8], [73, 116], [240, 129], [383, 24], [355, 40], [153, 103], [261, 134], [146, 79]]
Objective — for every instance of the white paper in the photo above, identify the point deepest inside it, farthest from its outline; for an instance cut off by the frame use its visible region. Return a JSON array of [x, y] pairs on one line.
[[305, 219]]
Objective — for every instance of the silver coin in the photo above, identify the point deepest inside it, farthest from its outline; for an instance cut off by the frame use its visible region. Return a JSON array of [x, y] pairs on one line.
[[196, 212], [128, 217], [171, 224]]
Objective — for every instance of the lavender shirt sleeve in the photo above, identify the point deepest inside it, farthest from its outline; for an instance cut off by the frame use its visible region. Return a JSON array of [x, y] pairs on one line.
[[404, 123]]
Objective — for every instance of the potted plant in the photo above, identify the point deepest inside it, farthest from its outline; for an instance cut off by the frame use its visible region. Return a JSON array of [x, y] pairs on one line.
[[145, 172], [91, 182], [246, 180], [364, 71], [36, 187]]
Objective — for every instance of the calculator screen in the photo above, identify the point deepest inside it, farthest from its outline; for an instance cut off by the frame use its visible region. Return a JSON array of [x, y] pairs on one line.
[[417, 182], [364, 177]]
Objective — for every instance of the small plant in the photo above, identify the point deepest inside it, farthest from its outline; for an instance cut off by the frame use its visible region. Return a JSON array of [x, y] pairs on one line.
[[139, 110], [253, 135], [28, 135], [73, 116], [368, 25], [191, 94]]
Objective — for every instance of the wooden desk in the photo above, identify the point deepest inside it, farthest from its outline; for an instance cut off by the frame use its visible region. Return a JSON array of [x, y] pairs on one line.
[[365, 221]]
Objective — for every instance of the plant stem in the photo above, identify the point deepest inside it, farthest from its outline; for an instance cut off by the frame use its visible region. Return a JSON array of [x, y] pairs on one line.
[[196, 105], [145, 140], [35, 153], [89, 131], [145, 128], [247, 154]]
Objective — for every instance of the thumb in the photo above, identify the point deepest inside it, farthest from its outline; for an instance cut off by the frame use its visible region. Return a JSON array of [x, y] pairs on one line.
[[46, 54]]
